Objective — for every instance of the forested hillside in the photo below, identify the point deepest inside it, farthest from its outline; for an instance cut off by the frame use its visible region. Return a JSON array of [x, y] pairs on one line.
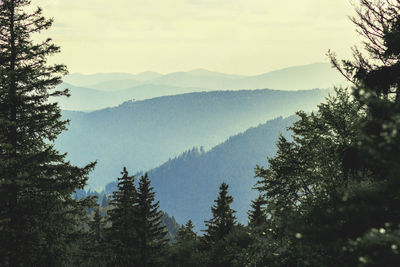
[[100, 99], [187, 184], [144, 134]]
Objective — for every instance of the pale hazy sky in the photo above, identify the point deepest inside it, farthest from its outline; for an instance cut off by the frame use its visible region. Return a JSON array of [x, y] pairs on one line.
[[232, 36]]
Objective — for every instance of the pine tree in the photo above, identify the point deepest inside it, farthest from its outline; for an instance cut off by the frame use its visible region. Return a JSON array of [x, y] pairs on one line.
[[186, 250], [150, 230], [216, 242], [37, 212], [96, 241], [122, 236], [257, 216], [223, 220], [186, 232]]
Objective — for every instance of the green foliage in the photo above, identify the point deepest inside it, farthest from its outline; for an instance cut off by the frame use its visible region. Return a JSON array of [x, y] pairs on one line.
[[257, 215], [150, 230], [122, 236], [38, 216], [306, 182], [332, 192], [223, 219], [186, 251]]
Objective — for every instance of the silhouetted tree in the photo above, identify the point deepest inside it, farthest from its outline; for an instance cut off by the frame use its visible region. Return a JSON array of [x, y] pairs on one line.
[[257, 215], [151, 232], [96, 242], [218, 229], [186, 250], [38, 215], [186, 232], [223, 220], [122, 237]]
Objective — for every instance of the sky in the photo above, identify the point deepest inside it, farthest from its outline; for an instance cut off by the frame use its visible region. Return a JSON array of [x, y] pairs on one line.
[[233, 36]]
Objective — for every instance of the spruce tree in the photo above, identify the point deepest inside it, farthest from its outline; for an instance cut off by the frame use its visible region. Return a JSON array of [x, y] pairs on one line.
[[122, 236], [186, 232], [96, 241], [219, 228], [257, 215], [150, 230], [186, 250], [223, 220], [37, 212]]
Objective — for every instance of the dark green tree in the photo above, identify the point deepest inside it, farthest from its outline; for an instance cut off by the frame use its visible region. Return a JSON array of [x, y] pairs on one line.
[[373, 204], [186, 250], [258, 214], [223, 220], [151, 232], [219, 227], [186, 232], [38, 216], [96, 245], [306, 182], [122, 237]]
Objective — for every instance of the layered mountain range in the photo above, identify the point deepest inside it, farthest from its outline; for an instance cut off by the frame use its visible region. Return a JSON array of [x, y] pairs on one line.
[[146, 121], [144, 134], [91, 92]]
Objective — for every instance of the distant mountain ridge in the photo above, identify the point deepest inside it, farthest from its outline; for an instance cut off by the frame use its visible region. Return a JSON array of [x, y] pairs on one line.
[[143, 134], [78, 79], [111, 89], [88, 99], [187, 185]]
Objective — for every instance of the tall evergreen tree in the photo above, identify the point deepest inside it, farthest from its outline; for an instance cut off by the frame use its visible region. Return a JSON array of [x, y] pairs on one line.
[[122, 236], [151, 231], [96, 241], [258, 214], [223, 220], [217, 243], [37, 212], [186, 232], [186, 250]]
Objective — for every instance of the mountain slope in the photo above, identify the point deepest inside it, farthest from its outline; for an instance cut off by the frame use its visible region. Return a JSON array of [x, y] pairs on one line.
[[143, 134], [86, 99], [123, 87], [318, 75], [187, 185]]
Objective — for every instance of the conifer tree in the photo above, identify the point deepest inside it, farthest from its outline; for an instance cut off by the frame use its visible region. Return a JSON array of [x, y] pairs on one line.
[[223, 220], [186, 232], [216, 239], [122, 236], [151, 231], [37, 212], [257, 215], [186, 250], [96, 242]]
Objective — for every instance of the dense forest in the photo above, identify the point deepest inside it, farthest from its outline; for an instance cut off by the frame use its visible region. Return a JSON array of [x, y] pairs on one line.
[[328, 197], [187, 184], [144, 134]]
